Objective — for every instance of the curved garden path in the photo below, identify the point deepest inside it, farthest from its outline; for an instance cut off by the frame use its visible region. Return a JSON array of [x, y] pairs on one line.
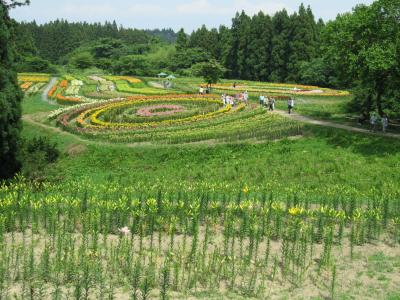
[[47, 90], [308, 120]]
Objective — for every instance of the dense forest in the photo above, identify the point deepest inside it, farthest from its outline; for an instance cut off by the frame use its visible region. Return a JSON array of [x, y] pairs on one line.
[[257, 48], [358, 50]]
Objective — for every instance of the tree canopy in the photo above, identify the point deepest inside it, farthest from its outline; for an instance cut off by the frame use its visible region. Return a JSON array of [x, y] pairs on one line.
[[10, 97], [363, 47]]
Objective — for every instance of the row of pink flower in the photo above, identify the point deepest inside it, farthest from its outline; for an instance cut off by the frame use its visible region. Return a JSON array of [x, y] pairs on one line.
[[169, 110]]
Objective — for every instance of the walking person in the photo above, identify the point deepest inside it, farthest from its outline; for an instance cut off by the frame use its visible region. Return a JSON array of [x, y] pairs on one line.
[[262, 100], [290, 105], [201, 90], [246, 97], [385, 123], [373, 121], [223, 98], [272, 104]]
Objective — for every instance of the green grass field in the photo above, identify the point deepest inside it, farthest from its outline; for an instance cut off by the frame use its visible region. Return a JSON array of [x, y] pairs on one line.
[[307, 216]]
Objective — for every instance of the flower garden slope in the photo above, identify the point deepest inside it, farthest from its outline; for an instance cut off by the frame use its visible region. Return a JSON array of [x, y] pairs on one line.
[[266, 88], [200, 118], [32, 83]]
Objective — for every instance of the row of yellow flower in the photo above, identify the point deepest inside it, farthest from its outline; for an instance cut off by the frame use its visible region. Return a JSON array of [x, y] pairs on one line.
[[129, 79], [140, 99], [96, 122], [247, 206], [23, 78]]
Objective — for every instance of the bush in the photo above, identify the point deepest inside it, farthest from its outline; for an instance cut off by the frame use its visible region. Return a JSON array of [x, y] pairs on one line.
[[35, 64], [82, 60], [36, 155], [132, 65]]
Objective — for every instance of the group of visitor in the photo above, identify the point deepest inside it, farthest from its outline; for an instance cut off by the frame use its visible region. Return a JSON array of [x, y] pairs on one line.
[[270, 102], [204, 91], [168, 84], [267, 102], [374, 120], [236, 99]]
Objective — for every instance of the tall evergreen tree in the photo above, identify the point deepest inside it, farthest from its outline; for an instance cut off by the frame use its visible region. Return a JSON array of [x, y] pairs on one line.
[[280, 50], [302, 41], [260, 47], [182, 40], [10, 97], [225, 41]]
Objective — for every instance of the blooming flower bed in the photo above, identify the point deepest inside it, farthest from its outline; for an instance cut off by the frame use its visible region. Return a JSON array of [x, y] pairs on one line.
[[173, 119], [26, 85], [273, 89], [31, 83], [153, 111]]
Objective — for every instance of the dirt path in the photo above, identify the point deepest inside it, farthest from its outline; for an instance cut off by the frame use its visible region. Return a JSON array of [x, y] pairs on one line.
[[47, 89], [308, 120], [156, 85], [30, 119]]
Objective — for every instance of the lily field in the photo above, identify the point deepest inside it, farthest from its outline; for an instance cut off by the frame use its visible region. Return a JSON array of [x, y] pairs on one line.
[[162, 193]]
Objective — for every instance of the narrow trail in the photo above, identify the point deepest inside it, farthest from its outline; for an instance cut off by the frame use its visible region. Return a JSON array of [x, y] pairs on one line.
[[308, 120], [47, 89], [30, 119], [156, 84]]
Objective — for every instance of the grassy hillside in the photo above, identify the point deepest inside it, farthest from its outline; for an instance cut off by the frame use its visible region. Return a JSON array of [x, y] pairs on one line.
[[307, 216]]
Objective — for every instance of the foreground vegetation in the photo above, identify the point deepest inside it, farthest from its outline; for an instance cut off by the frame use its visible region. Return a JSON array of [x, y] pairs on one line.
[[111, 241], [311, 217]]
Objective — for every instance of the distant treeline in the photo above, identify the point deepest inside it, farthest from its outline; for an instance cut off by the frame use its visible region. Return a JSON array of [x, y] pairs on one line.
[[261, 47], [54, 40]]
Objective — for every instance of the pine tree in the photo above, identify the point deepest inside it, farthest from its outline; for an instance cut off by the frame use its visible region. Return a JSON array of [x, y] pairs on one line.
[[302, 42], [10, 98], [280, 49], [182, 40], [260, 47]]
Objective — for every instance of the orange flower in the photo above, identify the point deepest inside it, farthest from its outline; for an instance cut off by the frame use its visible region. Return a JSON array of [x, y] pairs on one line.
[[52, 91], [64, 84], [26, 85]]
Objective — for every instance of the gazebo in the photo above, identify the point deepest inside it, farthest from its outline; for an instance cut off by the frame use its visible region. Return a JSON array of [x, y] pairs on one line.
[[171, 77], [162, 75]]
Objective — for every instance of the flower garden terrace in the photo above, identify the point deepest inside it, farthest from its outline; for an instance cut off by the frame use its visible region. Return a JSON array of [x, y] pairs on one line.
[[268, 89], [184, 119], [32, 83]]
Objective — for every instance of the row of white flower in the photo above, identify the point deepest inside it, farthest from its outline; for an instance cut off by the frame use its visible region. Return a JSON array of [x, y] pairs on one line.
[[54, 114], [74, 87], [35, 88]]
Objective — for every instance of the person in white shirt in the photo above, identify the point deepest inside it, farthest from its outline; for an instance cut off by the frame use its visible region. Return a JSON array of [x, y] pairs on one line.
[[262, 100], [246, 97], [373, 121], [201, 90], [223, 98], [385, 123], [290, 105]]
